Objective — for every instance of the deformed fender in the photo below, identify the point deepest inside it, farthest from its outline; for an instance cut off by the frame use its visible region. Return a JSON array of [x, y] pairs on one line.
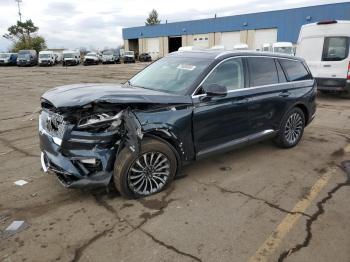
[[171, 124]]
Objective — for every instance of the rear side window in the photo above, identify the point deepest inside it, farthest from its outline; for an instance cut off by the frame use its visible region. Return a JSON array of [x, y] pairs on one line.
[[295, 70], [281, 75], [335, 48], [262, 71]]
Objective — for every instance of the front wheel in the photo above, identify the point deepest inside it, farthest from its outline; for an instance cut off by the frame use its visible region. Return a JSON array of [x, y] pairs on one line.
[[147, 173], [291, 129]]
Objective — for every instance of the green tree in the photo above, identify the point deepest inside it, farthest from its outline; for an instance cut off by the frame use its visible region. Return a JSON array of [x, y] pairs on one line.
[[24, 36], [153, 18]]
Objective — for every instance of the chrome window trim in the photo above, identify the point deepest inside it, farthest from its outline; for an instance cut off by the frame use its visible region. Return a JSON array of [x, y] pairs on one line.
[[247, 88]]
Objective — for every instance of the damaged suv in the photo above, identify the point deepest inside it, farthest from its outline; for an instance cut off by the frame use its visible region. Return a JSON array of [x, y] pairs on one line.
[[183, 107]]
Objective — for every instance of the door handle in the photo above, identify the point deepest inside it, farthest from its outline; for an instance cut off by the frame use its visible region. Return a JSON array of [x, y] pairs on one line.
[[241, 101], [284, 94], [327, 65]]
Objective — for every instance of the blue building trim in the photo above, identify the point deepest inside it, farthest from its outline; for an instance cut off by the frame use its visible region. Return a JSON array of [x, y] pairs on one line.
[[288, 22]]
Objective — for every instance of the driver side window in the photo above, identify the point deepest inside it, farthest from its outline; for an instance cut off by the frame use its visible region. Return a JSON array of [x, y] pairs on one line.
[[229, 74]]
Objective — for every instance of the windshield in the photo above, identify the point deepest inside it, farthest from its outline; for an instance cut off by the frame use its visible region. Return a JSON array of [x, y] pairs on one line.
[[68, 55], [44, 55], [23, 56], [171, 74], [109, 52], [4, 55], [91, 54], [283, 50], [129, 53]]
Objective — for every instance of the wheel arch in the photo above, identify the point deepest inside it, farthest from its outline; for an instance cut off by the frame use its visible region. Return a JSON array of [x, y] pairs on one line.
[[170, 140], [305, 110]]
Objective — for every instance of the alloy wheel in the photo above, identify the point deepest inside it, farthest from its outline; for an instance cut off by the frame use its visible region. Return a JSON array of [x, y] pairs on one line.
[[149, 173], [294, 128]]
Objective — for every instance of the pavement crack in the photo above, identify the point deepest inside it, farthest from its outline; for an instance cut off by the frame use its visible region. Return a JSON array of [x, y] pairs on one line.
[[150, 204], [170, 247], [314, 217], [79, 251], [238, 192]]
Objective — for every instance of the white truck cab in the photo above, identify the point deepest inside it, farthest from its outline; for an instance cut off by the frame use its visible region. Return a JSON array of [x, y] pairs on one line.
[[240, 47], [46, 58], [325, 47], [71, 57], [283, 47]]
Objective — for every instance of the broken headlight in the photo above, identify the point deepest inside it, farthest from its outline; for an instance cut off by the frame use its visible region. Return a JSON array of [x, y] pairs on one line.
[[107, 121]]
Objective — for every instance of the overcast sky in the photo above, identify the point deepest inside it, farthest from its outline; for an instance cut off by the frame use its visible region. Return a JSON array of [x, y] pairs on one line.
[[97, 24]]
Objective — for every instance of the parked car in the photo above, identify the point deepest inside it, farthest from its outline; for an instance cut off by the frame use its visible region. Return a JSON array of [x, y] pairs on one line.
[[325, 47], [8, 58], [110, 56], [70, 58], [129, 57], [27, 58], [183, 107], [92, 58], [47, 58], [145, 57]]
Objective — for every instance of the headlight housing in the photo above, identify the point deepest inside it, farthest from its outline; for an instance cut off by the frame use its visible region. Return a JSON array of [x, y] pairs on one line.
[[105, 121]]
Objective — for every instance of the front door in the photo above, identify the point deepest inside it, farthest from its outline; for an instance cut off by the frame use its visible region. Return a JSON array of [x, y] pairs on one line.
[[219, 120]]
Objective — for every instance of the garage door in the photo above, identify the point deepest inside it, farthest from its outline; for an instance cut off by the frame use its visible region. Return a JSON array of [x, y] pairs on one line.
[[153, 47], [263, 36], [201, 40], [229, 39]]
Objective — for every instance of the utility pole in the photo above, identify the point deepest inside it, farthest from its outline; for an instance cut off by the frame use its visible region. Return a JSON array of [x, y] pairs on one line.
[[19, 9]]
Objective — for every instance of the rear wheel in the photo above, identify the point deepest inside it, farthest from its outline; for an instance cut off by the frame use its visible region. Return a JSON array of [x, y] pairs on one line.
[[291, 129], [145, 174]]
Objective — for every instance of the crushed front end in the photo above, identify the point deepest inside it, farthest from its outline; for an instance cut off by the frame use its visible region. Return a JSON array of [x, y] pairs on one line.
[[79, 145]]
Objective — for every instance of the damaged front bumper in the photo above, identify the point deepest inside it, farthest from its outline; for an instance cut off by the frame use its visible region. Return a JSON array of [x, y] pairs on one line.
[[78, 158]]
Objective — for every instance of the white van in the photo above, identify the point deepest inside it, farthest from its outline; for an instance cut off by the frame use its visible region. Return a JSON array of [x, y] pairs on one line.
[[70, 58], [46, 58], [325, 47]]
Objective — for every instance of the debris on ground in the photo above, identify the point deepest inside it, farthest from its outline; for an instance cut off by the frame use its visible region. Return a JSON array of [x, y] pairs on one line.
[[20, 182], [14, 228]]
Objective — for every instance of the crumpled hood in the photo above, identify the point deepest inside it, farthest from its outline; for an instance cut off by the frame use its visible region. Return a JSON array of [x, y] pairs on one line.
[[83, 94]]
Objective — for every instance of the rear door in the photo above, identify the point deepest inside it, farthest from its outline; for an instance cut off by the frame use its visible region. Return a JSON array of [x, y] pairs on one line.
[[335, 57], [269, 91]]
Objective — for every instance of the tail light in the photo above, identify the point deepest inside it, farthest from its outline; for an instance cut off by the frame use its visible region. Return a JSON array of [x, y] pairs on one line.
[[348, 72]]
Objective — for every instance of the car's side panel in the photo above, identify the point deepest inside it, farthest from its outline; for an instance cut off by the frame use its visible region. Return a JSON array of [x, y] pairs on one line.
[[174, 124], [218, 120]]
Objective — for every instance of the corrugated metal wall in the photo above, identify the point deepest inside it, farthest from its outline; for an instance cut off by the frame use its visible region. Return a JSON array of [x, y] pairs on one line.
[[288, 23]]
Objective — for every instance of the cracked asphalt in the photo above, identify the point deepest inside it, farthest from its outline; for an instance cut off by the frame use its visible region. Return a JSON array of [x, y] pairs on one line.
[[259, 203]]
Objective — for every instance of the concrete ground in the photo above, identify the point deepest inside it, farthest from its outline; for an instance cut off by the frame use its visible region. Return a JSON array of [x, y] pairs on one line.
[[260, 203]]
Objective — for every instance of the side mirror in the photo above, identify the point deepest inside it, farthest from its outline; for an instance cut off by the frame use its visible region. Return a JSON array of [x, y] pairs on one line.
[[215, 90]]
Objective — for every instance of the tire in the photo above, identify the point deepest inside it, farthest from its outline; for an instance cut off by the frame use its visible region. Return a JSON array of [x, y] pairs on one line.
[[291, 129], [131, 182]]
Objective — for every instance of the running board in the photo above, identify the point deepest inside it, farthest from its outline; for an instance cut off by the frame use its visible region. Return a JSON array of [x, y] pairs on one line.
[[237, 143]]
